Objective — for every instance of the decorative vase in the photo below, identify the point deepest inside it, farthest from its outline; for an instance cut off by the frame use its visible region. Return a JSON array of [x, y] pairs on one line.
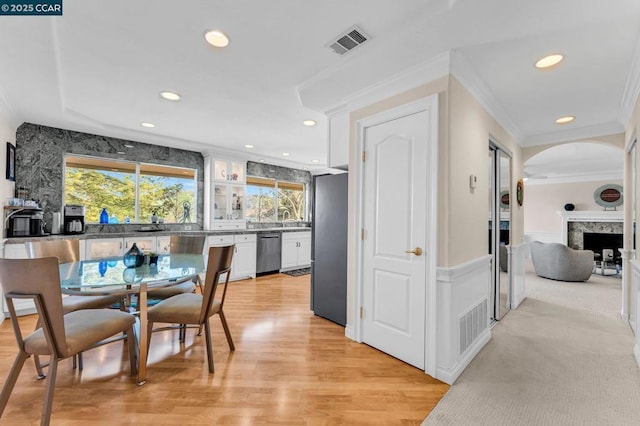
[[153, 259], [104, 215], [102, 268], [134, 257]]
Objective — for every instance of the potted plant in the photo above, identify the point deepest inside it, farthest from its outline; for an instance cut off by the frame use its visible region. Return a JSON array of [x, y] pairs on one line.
[[153, 258]]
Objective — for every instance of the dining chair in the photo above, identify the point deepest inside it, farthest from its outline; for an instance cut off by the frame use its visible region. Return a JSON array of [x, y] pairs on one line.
[[182, 244], [66, 251], [196, 309], [60, 335]]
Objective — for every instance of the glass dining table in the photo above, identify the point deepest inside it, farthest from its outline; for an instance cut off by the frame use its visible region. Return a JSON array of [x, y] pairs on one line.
[[111, 276]]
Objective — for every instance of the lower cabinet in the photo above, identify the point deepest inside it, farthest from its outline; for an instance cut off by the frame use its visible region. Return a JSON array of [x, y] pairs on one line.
[[103, 247], [244, 257], [296, 250], [22, 306]]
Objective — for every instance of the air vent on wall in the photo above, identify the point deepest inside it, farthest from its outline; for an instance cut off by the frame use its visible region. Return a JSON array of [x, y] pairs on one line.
[[472, 324], [349, 40]]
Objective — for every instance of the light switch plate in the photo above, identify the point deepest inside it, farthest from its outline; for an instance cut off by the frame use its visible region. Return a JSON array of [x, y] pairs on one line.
[[473, 181]]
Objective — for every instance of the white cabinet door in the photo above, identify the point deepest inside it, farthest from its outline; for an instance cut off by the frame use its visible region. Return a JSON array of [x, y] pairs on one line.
[[296, 249], [22, 306], [163, 244], [304, 251], [289, 254], [104, 247], [229, 171], [244, 258], [146, 244]]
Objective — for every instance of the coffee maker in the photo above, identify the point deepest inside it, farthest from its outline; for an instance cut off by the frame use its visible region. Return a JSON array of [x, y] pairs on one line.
[[73, 219]]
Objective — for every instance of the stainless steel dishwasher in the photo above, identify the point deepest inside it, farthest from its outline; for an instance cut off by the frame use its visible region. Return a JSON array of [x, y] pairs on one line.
[[269, 247]]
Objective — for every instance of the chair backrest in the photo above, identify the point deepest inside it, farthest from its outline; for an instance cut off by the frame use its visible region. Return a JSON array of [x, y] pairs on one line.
[[219, 263], [39, 278], [187, 244], [65, 250]]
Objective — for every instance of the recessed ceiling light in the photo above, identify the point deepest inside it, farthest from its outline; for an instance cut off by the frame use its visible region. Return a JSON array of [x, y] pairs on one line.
[[248, 146], [170, 96], [128, 146], [145, 124], [315, 161], [565, 120], [121, 152], [216, 38], [549, 61], [262, 161], [285, 154], [309, 123]]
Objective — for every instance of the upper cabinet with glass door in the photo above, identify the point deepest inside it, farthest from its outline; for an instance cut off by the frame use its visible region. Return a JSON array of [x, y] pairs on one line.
[[229, 171]]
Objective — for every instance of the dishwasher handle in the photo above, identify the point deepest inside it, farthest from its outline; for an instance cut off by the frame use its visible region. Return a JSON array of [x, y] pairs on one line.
[[269, 236]]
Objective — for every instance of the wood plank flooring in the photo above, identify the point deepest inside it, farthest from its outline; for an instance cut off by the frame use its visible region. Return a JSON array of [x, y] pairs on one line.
[[289, 367]]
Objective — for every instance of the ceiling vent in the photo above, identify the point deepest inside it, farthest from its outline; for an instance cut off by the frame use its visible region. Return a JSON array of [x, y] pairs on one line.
[[348, 41]]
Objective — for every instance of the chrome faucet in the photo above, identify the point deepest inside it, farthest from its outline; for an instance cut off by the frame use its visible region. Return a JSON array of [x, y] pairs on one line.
[[288, 215]]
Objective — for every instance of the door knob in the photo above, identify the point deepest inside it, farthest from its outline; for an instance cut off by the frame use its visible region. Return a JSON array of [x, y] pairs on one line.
[[417, 251]]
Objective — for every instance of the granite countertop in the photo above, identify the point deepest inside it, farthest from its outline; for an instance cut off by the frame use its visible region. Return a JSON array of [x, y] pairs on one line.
[[141, 234]]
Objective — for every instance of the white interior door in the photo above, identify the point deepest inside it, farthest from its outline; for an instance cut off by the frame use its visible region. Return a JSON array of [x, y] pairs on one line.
[[395, 216]]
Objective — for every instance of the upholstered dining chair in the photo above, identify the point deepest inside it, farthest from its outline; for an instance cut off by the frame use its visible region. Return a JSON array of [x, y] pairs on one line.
[[196, 309], [67, 251], [60, 335], [183, 244]]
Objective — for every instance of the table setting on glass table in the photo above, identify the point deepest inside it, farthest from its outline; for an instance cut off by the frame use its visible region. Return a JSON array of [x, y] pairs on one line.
[[120, 275]]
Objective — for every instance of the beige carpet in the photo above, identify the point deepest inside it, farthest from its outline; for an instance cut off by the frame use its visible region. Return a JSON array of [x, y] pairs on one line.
[[549, 364]]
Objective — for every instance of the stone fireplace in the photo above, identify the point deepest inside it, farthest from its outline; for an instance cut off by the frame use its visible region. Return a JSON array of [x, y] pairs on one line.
[[603, 229]]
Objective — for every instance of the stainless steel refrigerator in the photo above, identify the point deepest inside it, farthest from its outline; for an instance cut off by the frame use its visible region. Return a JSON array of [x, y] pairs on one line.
[[329, 247]]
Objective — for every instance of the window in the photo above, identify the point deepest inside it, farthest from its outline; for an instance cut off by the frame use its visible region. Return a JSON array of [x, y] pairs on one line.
[[130, 190], [269, 200]]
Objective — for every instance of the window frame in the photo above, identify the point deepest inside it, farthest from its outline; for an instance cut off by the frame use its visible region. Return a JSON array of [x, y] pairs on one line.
[[276, 188], [136, 167]]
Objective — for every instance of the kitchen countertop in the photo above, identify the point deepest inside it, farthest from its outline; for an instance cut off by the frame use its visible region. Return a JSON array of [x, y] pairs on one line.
[[141, 234]]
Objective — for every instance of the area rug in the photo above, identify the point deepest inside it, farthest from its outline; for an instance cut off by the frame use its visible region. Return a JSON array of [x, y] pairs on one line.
[[298, 272]]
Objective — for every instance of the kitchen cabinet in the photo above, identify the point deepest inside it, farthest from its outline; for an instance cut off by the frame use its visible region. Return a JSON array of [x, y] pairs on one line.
[[22, 306], [244, 258], [229, 171], [163, 244], [103, 247], [228, 210], [296, 250], [146, 244]]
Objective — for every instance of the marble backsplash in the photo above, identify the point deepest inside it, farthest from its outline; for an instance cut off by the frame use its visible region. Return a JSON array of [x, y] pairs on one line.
[[40, 154], [278, 173], [576, 230]]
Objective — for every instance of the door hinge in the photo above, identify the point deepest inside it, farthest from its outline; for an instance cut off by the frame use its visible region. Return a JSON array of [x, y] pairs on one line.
[[361, 312], [362, 234], [364, 156]]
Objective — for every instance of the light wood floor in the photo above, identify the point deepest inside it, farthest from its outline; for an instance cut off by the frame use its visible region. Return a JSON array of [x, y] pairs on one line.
[[289, 367]]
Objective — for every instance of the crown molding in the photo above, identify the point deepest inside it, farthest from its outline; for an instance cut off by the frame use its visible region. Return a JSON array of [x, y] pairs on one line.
[[576, 178], [410, 78], [585, 132], [631, 89], [464, 72]]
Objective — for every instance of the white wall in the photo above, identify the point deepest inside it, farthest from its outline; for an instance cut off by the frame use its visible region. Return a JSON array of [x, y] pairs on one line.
[[542, 202], [7, 134]]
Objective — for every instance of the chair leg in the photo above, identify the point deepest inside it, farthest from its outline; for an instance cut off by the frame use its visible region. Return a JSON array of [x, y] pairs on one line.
[[226, 330], [48, 396], [11, 380], [149, 332], [80, 361], [131, 343], [39, 369], [207, 335]]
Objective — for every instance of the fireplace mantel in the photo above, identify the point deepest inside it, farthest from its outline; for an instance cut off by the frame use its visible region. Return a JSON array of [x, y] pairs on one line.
[[588, 216]]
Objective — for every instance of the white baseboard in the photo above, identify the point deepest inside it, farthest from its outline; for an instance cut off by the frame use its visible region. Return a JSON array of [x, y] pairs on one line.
[[350, 333], [450, 375]]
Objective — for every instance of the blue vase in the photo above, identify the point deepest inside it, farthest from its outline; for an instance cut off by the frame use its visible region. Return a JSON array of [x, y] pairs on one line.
[[104, 216], [102, 268], [134, 257]]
